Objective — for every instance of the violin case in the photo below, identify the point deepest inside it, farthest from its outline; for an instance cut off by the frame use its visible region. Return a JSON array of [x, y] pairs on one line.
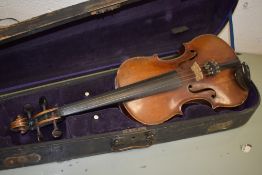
[[70, 53]]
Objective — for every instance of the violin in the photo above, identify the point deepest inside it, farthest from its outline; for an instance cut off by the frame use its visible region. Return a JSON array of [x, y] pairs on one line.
[[152, 90]]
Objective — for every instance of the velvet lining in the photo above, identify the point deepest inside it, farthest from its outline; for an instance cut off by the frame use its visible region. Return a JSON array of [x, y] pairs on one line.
[[110, 118], [103, 41], [100, 43]]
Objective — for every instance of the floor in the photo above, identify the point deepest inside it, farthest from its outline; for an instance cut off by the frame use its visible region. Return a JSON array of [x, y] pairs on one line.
[[213, 154]]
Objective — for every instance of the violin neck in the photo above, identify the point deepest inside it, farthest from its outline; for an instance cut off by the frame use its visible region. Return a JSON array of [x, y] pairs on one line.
[[159, 84]]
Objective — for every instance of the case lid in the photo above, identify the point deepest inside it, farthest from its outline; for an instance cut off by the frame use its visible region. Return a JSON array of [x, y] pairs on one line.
[[100, 34]]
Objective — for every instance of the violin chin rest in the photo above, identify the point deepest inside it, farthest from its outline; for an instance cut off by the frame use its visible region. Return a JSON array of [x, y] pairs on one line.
[[242, 75]]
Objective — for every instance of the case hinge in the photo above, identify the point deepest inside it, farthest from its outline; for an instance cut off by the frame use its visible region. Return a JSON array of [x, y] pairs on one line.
[[133, 138]]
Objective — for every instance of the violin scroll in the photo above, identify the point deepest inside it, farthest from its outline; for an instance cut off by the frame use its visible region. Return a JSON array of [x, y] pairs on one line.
[[20, 124], [23, 124]]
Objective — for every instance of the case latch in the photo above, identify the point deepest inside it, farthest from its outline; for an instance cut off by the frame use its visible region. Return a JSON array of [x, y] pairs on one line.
[[133, 138], [22, 160]]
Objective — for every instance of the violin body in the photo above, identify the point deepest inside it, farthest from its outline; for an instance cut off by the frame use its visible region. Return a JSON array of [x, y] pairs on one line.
[[219, 90]]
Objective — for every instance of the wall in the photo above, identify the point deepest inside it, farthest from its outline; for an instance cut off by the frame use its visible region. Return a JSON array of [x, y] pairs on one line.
[[247, 19]]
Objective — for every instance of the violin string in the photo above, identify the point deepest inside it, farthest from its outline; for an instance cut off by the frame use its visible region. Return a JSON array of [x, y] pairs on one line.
[[163, 85], [192, 77], [178, 83], [213, 83], [190, 71], [186, 80]]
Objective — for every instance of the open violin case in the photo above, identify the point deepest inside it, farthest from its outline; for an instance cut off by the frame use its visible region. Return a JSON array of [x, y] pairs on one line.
[[70, 53]]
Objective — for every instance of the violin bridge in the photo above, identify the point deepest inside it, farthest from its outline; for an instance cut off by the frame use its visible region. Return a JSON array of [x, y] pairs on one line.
[[197, 71]]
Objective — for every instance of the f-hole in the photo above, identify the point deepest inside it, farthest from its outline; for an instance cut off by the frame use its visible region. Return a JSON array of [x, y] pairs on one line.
[[193, 89]]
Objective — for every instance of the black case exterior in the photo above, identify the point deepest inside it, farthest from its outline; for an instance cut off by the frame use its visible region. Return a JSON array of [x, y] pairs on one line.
[[140, 137], [34, 154]]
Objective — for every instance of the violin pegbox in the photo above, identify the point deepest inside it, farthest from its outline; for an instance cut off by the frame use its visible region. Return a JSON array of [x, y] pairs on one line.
[[211, 68], [34, 122], [49, 116]]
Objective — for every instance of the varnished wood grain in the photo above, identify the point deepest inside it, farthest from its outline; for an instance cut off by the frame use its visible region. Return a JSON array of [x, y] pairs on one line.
[[221, 90]]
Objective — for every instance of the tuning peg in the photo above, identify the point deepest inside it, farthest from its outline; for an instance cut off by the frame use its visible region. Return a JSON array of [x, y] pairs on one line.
[[28, 109], [43, 103], [56, 133], [39, 134]]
